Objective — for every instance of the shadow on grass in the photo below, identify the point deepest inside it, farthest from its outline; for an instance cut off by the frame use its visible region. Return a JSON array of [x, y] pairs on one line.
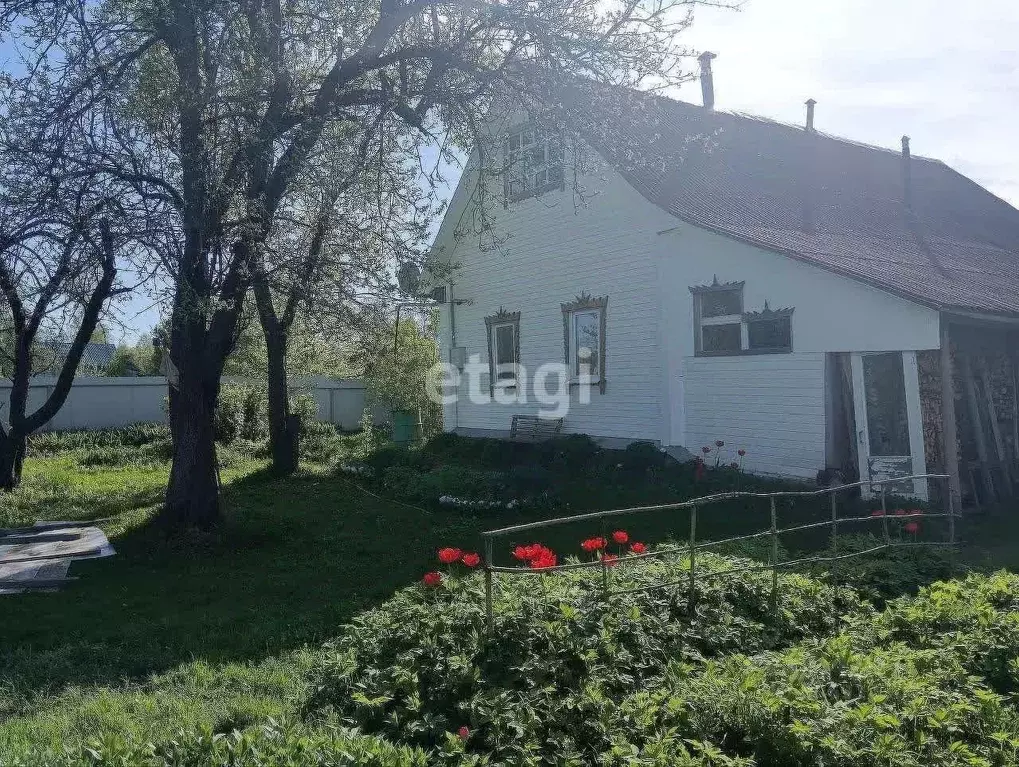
[[295, 559]]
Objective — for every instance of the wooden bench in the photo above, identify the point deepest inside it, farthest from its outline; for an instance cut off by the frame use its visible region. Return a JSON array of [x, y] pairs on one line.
[[532, 428]]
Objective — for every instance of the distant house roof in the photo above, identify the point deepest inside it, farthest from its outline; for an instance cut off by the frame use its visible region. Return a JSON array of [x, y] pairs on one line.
[[96, 356], [822, 199]]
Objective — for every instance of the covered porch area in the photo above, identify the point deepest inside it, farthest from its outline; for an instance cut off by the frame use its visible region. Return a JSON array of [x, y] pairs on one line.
[[969, 391], [952, 410]]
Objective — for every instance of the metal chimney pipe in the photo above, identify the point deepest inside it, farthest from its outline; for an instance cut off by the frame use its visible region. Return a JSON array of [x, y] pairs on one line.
[[707, 81], [810, 115], [907, 174]]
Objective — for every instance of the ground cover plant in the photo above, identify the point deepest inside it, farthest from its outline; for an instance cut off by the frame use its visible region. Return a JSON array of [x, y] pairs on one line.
[[235, 647]]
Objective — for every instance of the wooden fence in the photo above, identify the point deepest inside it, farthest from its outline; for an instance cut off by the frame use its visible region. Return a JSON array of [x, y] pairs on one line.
[[693, 545]]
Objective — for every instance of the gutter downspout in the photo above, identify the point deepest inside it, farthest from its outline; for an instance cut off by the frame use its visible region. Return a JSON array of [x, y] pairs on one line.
[[452, 346]]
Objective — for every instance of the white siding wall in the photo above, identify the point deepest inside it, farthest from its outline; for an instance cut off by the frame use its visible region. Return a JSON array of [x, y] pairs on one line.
[[555, 252], [622, 246], [772, 405], [832, 314]]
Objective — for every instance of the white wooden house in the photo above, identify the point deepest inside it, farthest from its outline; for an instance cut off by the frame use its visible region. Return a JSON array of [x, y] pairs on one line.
[[785, 291]]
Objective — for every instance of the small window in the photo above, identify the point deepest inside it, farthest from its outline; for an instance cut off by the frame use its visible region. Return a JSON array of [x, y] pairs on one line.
[[584, 337], [503, 347], [534, 162], [774, 334], [721, 338]]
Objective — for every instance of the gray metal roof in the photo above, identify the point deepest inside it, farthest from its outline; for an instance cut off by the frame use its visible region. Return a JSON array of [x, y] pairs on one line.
[[822, 199], [94, 355]]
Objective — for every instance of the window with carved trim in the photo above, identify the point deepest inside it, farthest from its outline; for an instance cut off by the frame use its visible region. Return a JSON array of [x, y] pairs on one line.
[[503, 330], [534, 162], [722, 327], [584, 339]]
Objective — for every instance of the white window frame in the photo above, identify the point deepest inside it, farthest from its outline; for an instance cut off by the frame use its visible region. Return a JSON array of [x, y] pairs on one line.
[[530, 137]]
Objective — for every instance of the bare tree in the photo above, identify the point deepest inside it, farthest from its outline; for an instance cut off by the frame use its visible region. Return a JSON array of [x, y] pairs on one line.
[[218, 106], [58, 270]]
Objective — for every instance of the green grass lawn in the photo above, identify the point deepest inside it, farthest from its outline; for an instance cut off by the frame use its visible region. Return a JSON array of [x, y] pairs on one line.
[[213, 630]]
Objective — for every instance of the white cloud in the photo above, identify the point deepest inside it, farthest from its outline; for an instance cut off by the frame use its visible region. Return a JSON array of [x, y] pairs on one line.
[[945, 74]]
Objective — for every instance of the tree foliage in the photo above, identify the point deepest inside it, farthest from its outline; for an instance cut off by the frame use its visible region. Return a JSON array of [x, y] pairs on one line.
[[214, 113]]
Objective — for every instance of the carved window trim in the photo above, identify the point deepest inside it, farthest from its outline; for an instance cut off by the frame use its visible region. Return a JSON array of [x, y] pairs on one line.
[[550, 142], [744, 319], [769, 315], [585, 303], [492, 323]]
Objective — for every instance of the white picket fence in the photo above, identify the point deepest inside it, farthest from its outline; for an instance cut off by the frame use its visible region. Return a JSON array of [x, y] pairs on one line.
[[97, 403]]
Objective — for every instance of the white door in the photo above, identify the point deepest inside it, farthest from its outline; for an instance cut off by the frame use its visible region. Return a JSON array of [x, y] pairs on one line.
[[889, 427]]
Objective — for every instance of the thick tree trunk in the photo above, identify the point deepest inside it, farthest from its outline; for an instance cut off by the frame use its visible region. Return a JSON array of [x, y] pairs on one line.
[[12, 455], [192, 494], [283, 442]]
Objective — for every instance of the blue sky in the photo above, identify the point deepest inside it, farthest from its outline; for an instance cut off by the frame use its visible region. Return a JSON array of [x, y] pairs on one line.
[[945, 74]]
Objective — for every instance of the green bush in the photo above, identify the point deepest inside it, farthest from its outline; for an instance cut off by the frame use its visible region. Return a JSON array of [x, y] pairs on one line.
[[272, 745], [143, 455], [410, 484], [242, 412], [838, 704], [975, 619], [541, 685], [136, 435], [566, 677], [890, 572]]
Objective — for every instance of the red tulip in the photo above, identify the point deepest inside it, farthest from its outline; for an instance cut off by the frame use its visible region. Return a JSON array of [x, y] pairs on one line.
[[610, 560], [520, 553], [592, 544], [638, 548], [706, 450], [734, 465], [719, 443], [463, 733], [620, 536], [544, 561], [912, 527], [449, 555], [471, 560], [535, 550], [432, 579], [741, 452]]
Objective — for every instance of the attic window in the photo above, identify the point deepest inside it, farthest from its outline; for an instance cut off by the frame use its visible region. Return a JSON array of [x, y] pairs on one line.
[[534, 162], [722, 328]]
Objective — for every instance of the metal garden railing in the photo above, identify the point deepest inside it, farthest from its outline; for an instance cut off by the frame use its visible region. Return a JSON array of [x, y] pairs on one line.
[[693, 546]]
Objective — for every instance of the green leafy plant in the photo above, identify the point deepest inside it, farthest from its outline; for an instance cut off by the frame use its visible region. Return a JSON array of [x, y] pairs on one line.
[[543, 681]]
